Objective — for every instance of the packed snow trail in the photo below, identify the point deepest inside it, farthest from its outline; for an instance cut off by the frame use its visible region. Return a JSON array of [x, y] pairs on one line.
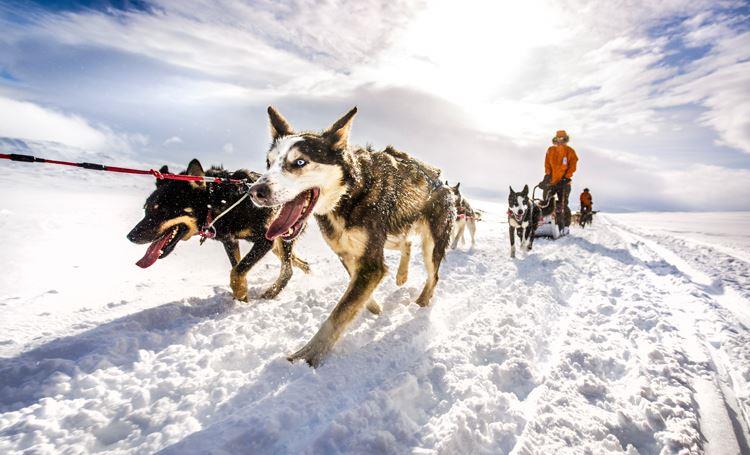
[[594, 342]]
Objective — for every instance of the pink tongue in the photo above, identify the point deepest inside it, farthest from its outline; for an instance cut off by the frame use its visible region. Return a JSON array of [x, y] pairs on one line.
[[152, 253], [290, 213]]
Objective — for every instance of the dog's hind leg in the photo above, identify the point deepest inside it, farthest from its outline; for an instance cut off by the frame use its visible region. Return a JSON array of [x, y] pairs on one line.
[[403, 266], [278, 250], [458, 234], [367, 274], [300, 263], [238, 275], [435, 239], [232, 247], [472, 231], [285, 252]]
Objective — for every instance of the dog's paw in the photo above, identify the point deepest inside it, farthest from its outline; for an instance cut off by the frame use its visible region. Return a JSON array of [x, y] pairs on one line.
[[401, 277], [239, 286], [315, 351], [373, 307], [423, 300], [302, 265], [270, 293]]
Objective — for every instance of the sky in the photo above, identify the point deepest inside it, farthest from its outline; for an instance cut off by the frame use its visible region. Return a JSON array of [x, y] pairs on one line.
[[655, 95]]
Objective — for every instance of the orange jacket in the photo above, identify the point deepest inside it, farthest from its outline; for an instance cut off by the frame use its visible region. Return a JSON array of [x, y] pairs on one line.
[[560, 162], [586, 199]]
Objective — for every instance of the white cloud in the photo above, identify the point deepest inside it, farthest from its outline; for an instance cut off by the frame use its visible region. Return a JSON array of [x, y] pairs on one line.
[[492, 80], [25, 120], [172, 140]]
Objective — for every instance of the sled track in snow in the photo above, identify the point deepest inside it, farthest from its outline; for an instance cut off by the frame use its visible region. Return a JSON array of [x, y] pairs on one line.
[[725, 383]]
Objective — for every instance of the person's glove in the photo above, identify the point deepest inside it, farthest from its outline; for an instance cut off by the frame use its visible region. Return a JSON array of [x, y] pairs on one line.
[[564, 181], [544, 184]]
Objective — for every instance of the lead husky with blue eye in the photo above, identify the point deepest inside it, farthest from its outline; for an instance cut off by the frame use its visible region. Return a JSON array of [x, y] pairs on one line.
[[364, 201]]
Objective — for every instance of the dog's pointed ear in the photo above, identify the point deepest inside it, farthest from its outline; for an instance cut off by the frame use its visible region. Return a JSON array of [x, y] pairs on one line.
[[195, 168], [338, 133], [511, 190], [163, 170], [525, 189], [457, 185], [279, 125]]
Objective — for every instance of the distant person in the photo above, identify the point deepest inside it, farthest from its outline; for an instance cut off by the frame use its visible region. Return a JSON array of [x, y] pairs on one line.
[[559, 167], [586, 201], [587, 206]]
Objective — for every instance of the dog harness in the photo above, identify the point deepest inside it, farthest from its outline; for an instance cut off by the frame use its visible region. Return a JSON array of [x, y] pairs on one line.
[[208, 231]]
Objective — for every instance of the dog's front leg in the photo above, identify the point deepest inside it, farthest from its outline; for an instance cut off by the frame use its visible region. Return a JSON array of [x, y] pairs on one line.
[[512, 235], [238, 275], [530, 233], [368, 274], [349, 264], [232, 248]]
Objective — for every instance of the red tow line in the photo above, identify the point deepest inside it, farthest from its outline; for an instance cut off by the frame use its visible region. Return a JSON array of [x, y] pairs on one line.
[[122, 170]]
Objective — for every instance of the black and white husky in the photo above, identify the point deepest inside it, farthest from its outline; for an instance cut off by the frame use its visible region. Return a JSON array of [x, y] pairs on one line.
[[523, 217], [465, 217]]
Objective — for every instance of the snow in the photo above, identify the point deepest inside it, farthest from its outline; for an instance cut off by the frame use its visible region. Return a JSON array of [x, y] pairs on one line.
[[628, 337]]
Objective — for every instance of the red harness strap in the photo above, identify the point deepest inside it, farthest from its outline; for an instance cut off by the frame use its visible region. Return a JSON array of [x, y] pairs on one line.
[[122, 170]]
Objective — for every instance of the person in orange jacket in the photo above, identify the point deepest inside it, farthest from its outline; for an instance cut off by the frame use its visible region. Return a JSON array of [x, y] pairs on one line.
[[587, 205], [560, 164], [586, 201]]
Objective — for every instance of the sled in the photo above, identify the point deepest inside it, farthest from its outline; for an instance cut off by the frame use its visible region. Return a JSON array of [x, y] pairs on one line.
[[548, 228]]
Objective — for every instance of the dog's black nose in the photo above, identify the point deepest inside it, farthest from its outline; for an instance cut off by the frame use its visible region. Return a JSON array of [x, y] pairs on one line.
[[260, 192], [131, 236]]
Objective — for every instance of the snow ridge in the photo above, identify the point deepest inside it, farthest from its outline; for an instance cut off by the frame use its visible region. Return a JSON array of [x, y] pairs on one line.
[[606, 341]]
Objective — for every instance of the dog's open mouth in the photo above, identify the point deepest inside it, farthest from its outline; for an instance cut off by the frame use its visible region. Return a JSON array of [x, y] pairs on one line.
[[292, 216], [517, 216], [162, 246]]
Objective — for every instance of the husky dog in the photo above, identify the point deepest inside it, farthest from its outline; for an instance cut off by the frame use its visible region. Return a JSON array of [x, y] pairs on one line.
[[465, 217], [176, 210], [364, 201], [523, 218]]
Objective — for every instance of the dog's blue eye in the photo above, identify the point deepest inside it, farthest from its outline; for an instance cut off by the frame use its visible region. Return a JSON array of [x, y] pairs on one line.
[[300, 163]]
